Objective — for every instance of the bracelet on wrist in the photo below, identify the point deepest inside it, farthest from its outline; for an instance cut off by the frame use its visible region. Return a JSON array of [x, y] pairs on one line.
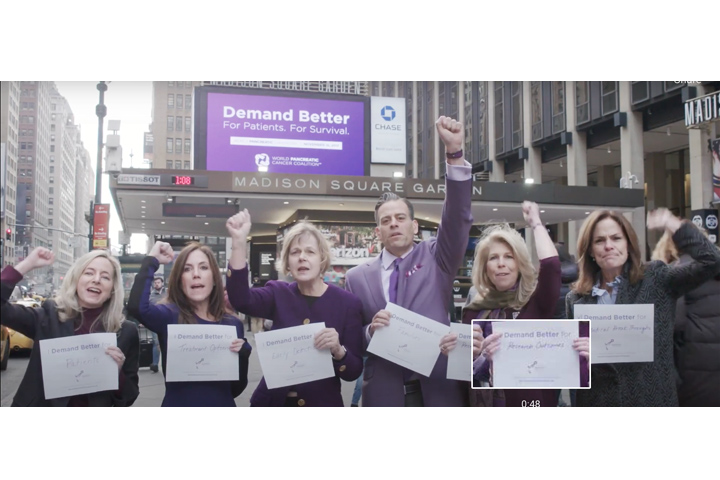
[[454, 155]]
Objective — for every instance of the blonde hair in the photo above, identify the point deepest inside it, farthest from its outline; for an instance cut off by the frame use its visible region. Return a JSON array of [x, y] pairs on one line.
[[299, 230], [665, 250], [527, 275], [67, 301]]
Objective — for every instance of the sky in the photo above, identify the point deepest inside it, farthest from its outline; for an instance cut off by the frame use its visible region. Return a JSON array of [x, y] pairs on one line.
[[127, 101]]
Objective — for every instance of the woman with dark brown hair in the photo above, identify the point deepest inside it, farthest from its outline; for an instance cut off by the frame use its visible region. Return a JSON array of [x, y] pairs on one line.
[[195, 296], [612, 273]]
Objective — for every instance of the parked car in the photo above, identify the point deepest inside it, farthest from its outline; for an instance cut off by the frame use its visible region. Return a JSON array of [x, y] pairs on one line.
[[18, 341], [4, 347]]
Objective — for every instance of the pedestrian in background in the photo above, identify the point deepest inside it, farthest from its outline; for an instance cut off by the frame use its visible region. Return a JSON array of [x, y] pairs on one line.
[[612, 273], [156, 295], [309, 299], [90, 300], [696, 338], [195, 297]]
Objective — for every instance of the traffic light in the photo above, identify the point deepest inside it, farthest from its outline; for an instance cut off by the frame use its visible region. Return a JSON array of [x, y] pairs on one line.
[[8, 234]]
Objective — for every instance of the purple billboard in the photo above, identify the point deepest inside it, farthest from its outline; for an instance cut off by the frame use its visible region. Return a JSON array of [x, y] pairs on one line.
[[284, 134]]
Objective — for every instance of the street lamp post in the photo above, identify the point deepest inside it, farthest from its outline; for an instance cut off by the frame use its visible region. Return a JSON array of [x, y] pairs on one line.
[[101, 111]]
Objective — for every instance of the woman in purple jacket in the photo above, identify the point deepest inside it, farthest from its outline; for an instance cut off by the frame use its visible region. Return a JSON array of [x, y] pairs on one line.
[[306, 256], [510, 288]]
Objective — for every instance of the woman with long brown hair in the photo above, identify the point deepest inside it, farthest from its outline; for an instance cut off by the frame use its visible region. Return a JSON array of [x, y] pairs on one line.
[[612, 273], [195, 296]]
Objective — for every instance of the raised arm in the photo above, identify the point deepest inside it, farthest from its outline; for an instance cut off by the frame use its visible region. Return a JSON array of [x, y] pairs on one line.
[[154, 317], [454, 229], [543, 243], [706, 257], [238, 227], [18, 317]]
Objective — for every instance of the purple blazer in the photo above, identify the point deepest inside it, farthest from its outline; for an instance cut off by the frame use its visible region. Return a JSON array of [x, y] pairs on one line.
[[428, 291], [284, 304], [541, 305]]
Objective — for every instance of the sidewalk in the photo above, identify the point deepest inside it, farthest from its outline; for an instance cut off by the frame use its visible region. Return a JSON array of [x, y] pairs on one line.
[[152, 385]]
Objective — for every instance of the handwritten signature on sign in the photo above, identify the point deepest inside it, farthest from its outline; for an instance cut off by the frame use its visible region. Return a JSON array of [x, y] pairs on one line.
[[531, 366]]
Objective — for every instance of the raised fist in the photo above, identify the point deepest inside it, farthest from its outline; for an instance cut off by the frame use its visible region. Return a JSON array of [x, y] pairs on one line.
[[451, 133], [163, 252], [39, 257], [531, 213], [238, 226]]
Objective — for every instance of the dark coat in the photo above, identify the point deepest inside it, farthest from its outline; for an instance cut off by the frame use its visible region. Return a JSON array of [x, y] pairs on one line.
[[697, 344], [568, 275], [648, 384], [43, 323]]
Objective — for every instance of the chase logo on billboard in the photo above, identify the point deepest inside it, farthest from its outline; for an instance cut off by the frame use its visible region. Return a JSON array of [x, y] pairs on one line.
[[388, 113]]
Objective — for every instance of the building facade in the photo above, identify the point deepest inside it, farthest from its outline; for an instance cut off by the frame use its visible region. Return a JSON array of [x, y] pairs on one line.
[[607, 134], [9, 147]]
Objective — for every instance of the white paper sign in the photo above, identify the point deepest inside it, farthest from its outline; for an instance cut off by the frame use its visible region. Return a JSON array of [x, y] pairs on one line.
[[411, 340], [288, 356], [536, 354], [78, 365], [459, 366], [201, 353], [620, 333]]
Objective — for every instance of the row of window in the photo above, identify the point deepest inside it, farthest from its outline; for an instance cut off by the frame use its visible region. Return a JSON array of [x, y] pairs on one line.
[[176, 101], [178, 142], [176, 123], [178, 164], [180, 84]]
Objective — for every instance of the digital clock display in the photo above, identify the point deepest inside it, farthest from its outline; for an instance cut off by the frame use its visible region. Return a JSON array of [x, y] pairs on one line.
[[183, 180]]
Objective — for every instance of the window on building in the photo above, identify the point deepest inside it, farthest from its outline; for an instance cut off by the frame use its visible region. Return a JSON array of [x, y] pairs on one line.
[[582, 102], [179, 100], [51, 191], [171, 84], [51, 211], [52, 148], [186, 164], [187, 145], [609, 97], [51, 200], [52, 107], [52, 169], [170, 123], [187, 124], [28, 200], [188, 84], [52, 137], [188, 102], [50, 222], [169, 164], [171, 100], [178, 164], [499, 118], [558, 107], [178, 124], [169, 145], [52, 127], [536, 110], [517, 114], [178, 145]]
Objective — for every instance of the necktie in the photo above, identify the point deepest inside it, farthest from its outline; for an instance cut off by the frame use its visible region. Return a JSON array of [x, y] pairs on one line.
[[392, 293]]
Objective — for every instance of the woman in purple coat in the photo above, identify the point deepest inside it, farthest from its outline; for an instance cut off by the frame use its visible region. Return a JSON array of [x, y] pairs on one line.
[[510, 288], [306, 256]]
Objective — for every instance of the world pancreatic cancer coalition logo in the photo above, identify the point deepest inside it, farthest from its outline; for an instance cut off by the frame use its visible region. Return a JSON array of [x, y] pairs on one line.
[[262, 160]]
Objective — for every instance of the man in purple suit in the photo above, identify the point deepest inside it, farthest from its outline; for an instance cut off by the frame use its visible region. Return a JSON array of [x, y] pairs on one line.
[[420, 281]]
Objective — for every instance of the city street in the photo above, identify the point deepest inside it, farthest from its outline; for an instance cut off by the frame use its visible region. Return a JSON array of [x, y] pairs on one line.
[[152, 387]]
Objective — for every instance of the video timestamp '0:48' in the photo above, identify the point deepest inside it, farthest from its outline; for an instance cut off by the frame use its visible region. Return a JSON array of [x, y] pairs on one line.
[[531, 403]]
